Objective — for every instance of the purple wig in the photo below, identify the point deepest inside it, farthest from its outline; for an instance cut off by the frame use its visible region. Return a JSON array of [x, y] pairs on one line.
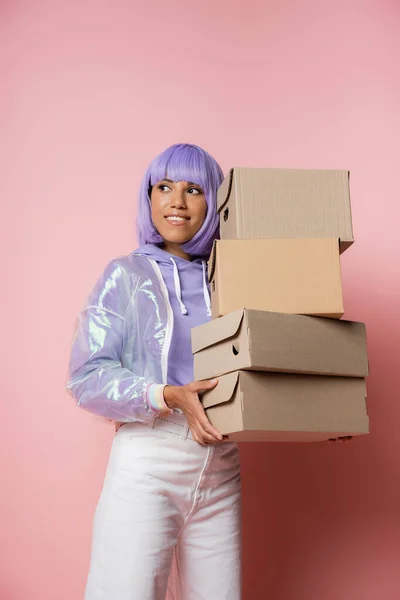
[[182, 162]]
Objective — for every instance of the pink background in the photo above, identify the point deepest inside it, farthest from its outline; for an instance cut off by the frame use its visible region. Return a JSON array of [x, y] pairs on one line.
[[90, 92]]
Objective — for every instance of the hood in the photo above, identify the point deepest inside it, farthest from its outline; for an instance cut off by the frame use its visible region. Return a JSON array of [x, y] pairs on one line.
[[178, 266], [162, 257]]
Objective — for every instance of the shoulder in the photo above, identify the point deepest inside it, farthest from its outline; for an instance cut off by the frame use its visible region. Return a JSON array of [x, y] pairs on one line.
[[131, 265], [119, 280]]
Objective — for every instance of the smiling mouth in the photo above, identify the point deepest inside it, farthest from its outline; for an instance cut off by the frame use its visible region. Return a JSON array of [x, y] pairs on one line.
[[175, 220]]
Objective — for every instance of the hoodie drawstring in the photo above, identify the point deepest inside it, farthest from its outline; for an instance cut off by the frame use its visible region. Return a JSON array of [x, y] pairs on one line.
[[205, 289], [178, 288]]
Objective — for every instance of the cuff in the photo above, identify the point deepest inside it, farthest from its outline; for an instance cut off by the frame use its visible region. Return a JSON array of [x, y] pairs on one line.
[[155, 398]]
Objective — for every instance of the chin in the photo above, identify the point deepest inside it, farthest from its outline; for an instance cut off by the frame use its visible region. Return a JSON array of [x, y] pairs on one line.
[[176, 239]]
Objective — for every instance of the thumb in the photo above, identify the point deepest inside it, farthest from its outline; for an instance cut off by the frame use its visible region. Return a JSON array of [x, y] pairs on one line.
[[209, 384]]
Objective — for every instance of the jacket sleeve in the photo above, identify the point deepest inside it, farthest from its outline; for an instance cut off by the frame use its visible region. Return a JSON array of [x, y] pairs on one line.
[[97, 380]]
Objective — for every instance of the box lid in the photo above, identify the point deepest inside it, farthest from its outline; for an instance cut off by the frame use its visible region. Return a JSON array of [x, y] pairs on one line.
[[212, 332], [223, 392], [286, 203], [279, 342]]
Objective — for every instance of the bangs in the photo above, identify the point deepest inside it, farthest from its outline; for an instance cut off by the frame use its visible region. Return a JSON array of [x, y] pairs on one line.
[[181, 163]]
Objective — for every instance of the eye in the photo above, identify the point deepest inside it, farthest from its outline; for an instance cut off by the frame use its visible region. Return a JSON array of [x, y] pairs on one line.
[[163, 187], [194, 191]]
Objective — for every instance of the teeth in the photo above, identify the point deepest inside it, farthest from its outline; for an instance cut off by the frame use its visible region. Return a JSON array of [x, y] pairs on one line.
[[176, 219]]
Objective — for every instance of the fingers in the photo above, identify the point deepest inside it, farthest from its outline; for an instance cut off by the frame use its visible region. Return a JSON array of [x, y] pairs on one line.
[[202, 436], [204, 433], [206, 427], [204, 439], [340, 439], [202, 386], [211, 431], [202, 430]]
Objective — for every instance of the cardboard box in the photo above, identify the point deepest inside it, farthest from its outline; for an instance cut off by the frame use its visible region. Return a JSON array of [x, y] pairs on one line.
[[251, 406], [286, 203], [267, 341], [300, 276]]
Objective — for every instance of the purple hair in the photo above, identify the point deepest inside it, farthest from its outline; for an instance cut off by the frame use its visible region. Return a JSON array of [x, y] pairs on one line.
[[182, 162]]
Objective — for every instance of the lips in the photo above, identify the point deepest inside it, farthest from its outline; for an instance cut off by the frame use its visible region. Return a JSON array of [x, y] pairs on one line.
[[177, 219]]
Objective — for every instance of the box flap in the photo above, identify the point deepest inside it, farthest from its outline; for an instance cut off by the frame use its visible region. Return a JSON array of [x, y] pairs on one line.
[[223, 392], [224, 191], [215, 331]]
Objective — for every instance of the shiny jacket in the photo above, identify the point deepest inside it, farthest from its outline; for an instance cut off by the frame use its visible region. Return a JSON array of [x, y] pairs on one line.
[[119, 356]]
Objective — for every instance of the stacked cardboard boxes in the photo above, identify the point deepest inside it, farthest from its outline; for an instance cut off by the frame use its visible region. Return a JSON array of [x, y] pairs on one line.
[[289, 369]]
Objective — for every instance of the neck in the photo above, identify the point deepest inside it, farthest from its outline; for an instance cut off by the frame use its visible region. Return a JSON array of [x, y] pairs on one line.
[[175, 250]]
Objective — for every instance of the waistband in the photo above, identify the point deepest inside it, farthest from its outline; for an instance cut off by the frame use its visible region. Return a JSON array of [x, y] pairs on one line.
[[174, 423]]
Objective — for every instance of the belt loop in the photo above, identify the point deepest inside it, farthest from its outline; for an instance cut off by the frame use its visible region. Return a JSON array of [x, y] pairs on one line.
[[153, 422], [187, 430]]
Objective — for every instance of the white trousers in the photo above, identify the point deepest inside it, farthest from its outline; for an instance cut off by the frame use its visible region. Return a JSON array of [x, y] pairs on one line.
[[165, 496]]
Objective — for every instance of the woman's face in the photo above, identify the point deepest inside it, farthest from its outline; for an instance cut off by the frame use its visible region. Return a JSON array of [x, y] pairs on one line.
[[178, 210]]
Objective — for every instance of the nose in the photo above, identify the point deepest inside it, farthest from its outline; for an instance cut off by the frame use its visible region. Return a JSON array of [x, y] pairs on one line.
[[178, 199]]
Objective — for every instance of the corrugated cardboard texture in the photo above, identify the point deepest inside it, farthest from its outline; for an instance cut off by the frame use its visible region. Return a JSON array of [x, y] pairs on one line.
[[255, 407], [269, 341], [286, 203], [300, 276]]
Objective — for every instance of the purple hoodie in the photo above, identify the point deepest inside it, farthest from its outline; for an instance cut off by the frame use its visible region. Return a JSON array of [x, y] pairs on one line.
[[188, 292]]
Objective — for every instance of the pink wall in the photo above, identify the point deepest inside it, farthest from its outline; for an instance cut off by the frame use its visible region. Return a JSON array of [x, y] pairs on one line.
[[90, 91]]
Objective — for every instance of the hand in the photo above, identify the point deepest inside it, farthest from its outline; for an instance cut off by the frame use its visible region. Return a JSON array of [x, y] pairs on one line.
[[186, 398], [346, 438]]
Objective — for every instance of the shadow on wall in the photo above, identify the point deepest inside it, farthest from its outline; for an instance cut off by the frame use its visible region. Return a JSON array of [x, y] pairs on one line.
[[322, 521]]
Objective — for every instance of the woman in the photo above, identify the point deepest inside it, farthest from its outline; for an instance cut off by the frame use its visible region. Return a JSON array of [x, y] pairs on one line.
[[171, 487]]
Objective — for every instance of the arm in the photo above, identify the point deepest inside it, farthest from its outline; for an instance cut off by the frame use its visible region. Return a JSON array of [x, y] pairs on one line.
[[97, 380]]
